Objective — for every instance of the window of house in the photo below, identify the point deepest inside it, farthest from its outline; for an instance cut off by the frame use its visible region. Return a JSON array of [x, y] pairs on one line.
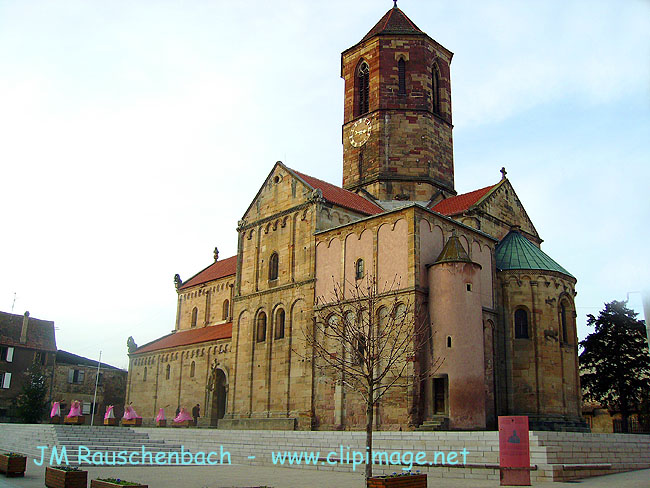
[[6, 354], [358, 269], [5, 380], [144, 376], [100, 379], [225, 313], [76, 376], [273, 266], [401, 70], [192, 369], [435, 89], [279, 324], [195, 315], [563, 323], [521, 324], [261, 327], [168, 372], [363, 88], [449, 341]]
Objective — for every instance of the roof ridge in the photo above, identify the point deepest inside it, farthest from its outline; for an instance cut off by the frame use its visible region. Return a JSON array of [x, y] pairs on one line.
[[221, 261], [390, 14]]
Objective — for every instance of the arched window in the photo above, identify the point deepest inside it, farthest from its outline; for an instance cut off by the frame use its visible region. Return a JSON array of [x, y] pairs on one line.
[[521, 324], [401, 70], [192, 369], [358, 269], [279, 324], [195, 314], [399, 313], [349, 320], [360, 348], [363, 88], [168, 372], [273, 266], [563, 323], [435, 89], [261, 327], [449, 341], [144, 376], [226, 310]]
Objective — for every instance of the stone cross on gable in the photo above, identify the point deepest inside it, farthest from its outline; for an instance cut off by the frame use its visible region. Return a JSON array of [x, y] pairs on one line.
[[503, 173]]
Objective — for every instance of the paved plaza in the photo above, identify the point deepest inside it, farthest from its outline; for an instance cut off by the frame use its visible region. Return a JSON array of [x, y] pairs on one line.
[[236, 476]]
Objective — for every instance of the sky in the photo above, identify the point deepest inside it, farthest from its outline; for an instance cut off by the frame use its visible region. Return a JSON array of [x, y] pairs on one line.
[[134, 135]]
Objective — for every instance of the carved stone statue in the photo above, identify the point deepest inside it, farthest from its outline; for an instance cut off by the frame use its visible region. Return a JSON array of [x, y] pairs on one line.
[[216, 254], [177, 281], [130, 343]]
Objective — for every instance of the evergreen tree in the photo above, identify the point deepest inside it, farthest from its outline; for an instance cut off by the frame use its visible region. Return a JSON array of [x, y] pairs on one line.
[[31, 402], [614, 363]]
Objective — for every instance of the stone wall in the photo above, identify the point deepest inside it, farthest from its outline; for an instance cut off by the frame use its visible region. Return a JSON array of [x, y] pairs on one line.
[[213, 302], [110, 391], [179, 377], [542, 374]]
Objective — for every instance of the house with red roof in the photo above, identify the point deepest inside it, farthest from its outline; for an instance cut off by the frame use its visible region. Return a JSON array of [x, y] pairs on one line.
[[499, 312]]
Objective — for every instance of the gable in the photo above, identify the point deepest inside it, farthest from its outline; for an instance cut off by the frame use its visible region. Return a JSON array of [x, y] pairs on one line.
[[281, 190], [285, 188], [502, 210]]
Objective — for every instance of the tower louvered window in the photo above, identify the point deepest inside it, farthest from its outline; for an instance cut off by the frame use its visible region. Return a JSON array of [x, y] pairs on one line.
[[435, 89], [401, 70], [364, 88]]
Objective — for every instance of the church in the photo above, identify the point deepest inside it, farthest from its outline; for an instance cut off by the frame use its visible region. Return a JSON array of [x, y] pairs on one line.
[[500, 312]]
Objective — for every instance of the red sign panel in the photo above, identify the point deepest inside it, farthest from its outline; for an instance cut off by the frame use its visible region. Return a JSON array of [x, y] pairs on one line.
[[514, 451]]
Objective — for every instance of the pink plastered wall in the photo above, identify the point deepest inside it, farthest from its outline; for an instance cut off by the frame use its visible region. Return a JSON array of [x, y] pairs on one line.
[[329, 263], [431, 244], [456, 312], [357, 246], [392, 256]]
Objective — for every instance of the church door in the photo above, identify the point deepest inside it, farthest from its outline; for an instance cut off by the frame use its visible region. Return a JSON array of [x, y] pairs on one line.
[[219, 397]]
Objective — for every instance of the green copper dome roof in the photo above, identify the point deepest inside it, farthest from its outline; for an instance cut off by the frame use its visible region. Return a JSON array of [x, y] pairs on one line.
[[516, 252]]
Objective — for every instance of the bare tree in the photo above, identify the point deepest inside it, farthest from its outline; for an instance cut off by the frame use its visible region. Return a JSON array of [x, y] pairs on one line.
[[370, 341]]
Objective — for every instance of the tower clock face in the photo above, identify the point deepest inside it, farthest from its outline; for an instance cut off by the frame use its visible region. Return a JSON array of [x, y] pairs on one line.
[[360, 132]]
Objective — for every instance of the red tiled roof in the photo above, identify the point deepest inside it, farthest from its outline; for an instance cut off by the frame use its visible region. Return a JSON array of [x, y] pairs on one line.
[[40, 333], [341, 197], [220, 269], [393, 22], [460, 203], [187, 337]]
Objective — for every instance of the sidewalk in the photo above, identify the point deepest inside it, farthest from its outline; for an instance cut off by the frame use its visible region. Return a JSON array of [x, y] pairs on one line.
[[250, 476]]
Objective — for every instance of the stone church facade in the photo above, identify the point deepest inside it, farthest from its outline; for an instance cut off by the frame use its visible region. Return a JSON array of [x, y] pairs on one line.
[[500, 312]]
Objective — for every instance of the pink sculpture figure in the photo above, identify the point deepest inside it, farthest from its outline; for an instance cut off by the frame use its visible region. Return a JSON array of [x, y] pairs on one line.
[[75, 409], [56, 410], [161, 415], [109, 413], [129, 413], [183, 415]]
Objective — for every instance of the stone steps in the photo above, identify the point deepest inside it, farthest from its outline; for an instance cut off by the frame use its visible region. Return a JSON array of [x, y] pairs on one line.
[[556, 455]]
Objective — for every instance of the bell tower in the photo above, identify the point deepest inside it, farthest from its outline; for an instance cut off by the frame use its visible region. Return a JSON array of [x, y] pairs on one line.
[[397, 128]]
